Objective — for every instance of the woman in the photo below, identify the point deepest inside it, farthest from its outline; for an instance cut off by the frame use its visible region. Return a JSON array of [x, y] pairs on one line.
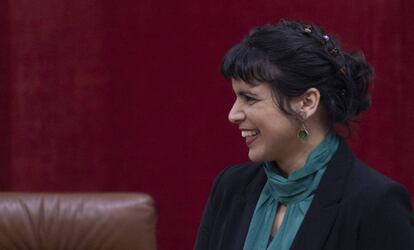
[[304, 189]]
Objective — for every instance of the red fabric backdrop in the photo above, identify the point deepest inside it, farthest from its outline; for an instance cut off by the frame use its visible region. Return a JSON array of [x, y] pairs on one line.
[[126, 95]]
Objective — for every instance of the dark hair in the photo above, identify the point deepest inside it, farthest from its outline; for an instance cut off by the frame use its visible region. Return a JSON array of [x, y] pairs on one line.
[[293, 57]]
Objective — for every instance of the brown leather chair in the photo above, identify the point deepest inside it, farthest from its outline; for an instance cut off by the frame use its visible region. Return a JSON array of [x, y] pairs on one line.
[[81, 221]]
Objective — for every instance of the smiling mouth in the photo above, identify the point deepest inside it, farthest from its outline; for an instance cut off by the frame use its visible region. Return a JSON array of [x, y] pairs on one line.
[[250, 135]]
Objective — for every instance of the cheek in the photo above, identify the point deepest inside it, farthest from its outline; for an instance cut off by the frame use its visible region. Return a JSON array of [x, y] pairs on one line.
[[281, 127], [270, 120]]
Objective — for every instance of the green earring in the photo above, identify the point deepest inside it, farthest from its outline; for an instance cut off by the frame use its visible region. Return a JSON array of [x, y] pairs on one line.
[[303, 133]]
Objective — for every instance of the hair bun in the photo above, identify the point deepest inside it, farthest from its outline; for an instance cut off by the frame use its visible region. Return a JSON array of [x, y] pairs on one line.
[[360, 76]]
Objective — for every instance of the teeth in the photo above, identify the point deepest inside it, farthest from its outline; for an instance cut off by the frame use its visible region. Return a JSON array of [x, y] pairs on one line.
[[246, 133]]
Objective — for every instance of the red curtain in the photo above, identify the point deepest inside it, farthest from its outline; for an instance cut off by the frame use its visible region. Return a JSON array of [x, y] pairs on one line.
[[126, 95]]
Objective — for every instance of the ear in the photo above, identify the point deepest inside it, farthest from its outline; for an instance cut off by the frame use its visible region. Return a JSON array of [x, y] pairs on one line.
[[307, 104]]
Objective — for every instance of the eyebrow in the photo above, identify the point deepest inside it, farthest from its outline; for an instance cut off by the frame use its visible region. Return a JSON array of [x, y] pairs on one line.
[[243, 93]]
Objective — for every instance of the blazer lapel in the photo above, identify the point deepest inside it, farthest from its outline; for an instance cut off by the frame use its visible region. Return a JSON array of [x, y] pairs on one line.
[[242, 212], [322, 213]]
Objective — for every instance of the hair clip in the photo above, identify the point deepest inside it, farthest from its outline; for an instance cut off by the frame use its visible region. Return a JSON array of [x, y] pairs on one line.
[[334, 52], [324, 39], [308, 28]]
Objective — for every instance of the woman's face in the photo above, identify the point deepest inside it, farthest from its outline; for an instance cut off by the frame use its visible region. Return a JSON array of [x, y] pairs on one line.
[[269, 133]]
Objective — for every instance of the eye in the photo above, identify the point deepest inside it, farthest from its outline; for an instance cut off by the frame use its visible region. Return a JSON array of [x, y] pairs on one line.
[[246, 97], [249, 99]]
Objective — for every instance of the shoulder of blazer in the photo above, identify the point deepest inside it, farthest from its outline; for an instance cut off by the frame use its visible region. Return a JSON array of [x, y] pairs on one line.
[[384, 209], [242, 181], [240, 174], [368, 185], [350, 190], [349, 178]]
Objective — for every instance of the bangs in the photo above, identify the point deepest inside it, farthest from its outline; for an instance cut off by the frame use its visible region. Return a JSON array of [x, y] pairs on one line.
[[249, 64]]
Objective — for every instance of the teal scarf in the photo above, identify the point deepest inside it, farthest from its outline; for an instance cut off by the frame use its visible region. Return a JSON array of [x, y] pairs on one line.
[[296, 192]]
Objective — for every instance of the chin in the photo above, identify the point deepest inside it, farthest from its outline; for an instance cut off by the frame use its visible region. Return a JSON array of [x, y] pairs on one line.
[[256, 157]]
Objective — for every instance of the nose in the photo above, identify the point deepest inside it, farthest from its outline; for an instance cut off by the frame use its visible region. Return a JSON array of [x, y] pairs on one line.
[[236, 115]]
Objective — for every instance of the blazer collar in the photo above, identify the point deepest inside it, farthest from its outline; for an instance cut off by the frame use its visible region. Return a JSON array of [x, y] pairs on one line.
[[321, 215]]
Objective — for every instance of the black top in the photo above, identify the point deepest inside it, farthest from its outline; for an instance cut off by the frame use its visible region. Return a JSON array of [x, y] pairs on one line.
[[354, 207]]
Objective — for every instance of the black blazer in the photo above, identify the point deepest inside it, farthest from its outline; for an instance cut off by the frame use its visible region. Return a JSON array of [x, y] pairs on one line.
[[354, 207]]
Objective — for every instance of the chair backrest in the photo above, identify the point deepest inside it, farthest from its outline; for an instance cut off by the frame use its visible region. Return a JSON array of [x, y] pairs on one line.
[[81, 221]]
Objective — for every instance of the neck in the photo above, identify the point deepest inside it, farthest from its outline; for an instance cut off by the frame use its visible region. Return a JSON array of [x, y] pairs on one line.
[[298, 156]]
